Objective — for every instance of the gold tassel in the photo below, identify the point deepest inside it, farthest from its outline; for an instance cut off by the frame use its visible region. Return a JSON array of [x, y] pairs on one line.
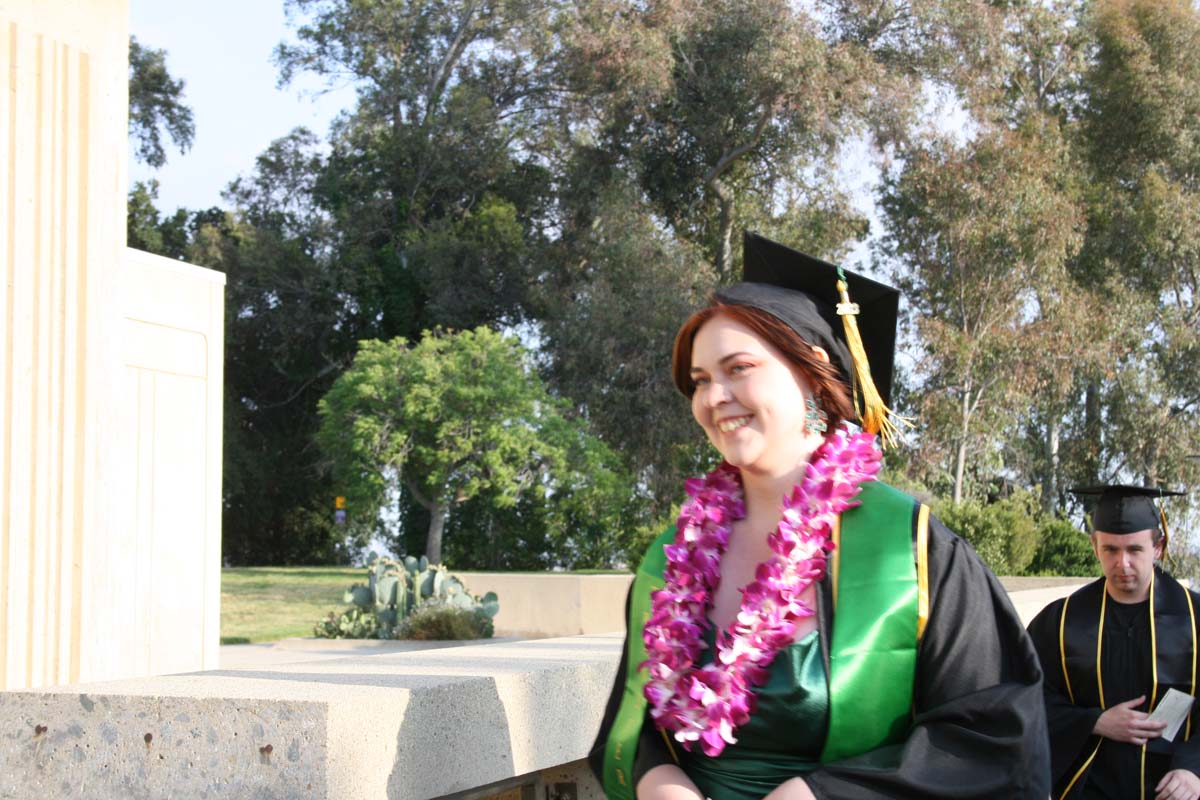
[[1162, 515], [874, 414]]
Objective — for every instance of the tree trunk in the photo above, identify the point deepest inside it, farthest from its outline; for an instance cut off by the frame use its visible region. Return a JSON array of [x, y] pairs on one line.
[[1050, 476], [437, 523], [725, 231], [960, 457], [1093, 431]]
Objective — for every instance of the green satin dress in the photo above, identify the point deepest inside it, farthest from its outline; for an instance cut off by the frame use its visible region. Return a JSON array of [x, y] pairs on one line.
[[784, 736]]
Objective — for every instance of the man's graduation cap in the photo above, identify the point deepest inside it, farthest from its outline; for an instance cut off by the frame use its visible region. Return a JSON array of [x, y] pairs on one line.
[[813, 297], [1123, 509]]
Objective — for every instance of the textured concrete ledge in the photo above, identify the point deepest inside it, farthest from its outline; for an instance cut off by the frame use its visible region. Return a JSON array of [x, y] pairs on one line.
[[406, 726]]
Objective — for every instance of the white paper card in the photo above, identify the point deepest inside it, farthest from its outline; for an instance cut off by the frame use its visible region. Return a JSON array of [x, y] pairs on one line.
[[1172, 709]]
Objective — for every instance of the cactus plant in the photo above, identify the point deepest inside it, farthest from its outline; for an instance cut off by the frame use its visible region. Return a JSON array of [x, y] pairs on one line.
[[394, 590]]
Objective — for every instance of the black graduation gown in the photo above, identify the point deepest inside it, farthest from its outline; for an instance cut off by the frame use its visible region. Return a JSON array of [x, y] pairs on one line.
[[979, 729], [1127, 673]]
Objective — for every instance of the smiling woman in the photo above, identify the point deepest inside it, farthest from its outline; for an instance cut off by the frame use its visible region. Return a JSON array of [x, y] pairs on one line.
[[805, 630]]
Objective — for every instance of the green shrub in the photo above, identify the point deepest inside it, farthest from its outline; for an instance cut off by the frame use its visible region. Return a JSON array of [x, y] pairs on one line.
[[1063, 549], [1004, 533], [437, 620], [640, 541]]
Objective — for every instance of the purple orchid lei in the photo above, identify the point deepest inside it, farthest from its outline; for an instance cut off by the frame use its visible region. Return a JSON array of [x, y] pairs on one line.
[[707, 703]]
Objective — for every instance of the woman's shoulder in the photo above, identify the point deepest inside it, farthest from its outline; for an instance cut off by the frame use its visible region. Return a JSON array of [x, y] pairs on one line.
[[939, 534]]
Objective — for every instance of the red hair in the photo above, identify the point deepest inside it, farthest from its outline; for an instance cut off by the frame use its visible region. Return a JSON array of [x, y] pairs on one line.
[[826, 382]]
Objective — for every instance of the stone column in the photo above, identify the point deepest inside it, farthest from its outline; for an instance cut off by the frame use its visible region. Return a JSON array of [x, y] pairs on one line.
[[74, 588]]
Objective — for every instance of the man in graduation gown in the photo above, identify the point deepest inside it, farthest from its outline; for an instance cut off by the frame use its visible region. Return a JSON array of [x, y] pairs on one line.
[[1110, 652]]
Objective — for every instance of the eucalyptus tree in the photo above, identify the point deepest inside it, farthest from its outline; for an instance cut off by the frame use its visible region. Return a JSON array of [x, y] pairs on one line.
[[433, 180], [1141, 121], [725, 113], [976, 226]]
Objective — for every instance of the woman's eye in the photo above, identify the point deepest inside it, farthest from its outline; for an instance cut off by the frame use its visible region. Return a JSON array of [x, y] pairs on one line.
[[699, 381], [738, 368]]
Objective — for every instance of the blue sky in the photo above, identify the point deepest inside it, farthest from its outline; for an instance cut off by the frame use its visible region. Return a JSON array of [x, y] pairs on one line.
[[222, 50]]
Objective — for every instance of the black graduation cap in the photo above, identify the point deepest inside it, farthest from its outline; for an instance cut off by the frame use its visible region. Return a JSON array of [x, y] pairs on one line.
[[851, 317], [1125, 509]]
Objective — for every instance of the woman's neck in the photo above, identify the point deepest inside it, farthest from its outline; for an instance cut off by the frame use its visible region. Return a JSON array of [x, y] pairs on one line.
[[764, 490]]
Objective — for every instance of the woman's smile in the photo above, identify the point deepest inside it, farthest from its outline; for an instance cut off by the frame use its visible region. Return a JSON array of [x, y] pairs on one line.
[[730, 424]]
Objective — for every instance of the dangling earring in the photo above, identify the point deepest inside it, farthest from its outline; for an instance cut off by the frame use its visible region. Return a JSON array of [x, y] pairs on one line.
[[814, 417]]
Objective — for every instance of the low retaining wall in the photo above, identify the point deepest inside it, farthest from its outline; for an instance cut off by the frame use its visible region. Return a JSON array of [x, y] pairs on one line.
[[502, 721], [406, 726], [568, 605], [546, 604]]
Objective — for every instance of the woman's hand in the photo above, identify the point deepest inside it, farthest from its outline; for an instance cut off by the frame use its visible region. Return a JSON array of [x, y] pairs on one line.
[[667, 782], [794, 789]]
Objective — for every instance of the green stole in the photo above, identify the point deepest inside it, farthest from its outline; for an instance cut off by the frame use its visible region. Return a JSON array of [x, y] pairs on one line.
[[880, 602], [1172, 654]]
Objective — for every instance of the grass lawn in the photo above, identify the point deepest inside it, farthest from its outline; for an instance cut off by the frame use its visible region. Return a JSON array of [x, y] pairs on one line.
[[262, 604]]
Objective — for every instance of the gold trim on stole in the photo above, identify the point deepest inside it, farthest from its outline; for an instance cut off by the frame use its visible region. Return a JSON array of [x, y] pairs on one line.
[[1100, 646], [1192, 616], [1062, 649], [922, 570]]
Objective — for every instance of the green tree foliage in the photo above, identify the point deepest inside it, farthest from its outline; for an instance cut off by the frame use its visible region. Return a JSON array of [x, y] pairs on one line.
[[291, 328], [978, 228], [724, 112], [579, 173], [1004, 533], [147, 229], [1063, 549], [433, 180], [609, 318], [454, 417], [1141, 136], [156, 105], [1085, 374]]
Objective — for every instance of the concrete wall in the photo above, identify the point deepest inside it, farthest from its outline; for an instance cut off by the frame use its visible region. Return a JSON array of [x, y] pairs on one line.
[[165, 556], [545, 604], [406, 726], [498, 721], [109, 391]]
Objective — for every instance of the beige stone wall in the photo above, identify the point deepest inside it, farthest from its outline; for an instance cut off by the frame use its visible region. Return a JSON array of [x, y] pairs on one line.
[[161, 565], [91, 461], [545, 604]]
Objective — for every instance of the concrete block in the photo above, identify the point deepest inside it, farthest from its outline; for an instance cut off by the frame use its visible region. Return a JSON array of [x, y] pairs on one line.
[[406, 726], [549, 604]]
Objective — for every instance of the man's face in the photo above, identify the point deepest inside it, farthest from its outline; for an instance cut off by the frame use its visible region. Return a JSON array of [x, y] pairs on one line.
[[1128, 562]]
